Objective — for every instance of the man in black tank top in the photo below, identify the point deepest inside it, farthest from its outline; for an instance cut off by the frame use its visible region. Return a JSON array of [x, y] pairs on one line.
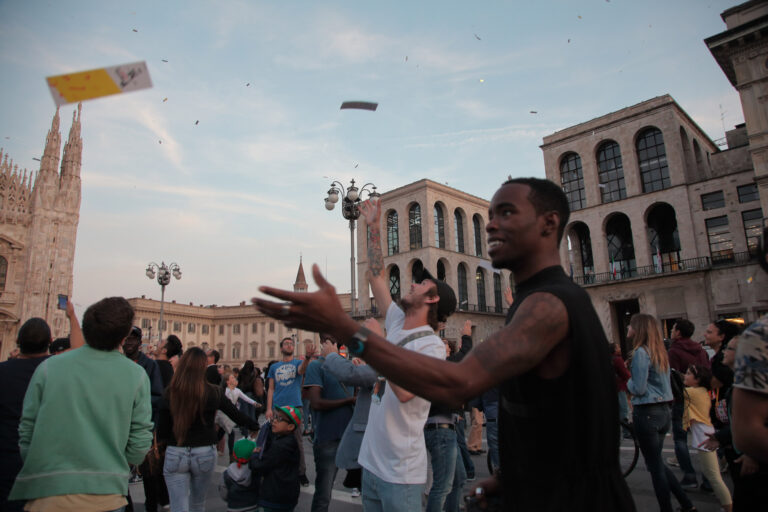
[[558, 427]]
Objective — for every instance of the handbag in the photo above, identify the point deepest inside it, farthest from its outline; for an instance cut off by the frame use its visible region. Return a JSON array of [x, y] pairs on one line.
[[721, 409], [155, 457]]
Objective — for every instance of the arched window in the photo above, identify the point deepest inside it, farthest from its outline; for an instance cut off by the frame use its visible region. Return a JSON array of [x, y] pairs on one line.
[[394, 282], [236, 351], [459, 221], [582, 247], [652, 158], [416, 270], [611, 172], [621, 250], [254, 350], [477, 223], [663, 238], [271, 349], [572, 180], [461, 274], [439, 227], [440, 270], [480, 278], [393, 243], [414, 225], [3, 272], [497, 296]]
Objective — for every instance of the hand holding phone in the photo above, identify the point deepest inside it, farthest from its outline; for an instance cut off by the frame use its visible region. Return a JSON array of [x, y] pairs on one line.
[[63, 299]]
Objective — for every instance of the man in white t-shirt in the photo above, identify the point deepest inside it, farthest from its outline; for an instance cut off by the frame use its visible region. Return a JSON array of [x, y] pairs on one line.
[[393, 454]]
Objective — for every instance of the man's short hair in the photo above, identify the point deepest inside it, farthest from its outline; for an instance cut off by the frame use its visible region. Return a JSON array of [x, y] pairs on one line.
[[685, 327], [59, 345], [107, 323], [34, 336], [283, 340], [546, 196], [173, 346], [215, 354]]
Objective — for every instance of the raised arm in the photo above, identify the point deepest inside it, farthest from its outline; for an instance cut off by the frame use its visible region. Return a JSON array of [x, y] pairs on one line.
[[346, 371], [540, 325], [76, 339], [371, 209]]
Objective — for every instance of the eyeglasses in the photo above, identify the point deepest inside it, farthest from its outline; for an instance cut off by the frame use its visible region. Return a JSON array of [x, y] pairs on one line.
[[278, 419]]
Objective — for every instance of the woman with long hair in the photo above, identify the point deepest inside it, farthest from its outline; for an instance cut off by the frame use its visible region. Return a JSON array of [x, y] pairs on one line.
[[651, 398], [186, 425]]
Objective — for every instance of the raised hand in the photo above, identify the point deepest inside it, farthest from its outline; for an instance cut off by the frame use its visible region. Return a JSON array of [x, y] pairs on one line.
[[371, 210]]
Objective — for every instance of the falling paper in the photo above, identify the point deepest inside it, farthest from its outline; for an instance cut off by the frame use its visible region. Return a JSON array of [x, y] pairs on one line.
[[749, 280], [360, 105], [95, 83]]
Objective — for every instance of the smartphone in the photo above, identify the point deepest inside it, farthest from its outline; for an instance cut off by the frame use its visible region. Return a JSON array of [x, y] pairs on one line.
[[62, 301]]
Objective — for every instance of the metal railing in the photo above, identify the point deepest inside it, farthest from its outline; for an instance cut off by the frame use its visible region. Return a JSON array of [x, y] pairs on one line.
[[674, 267]]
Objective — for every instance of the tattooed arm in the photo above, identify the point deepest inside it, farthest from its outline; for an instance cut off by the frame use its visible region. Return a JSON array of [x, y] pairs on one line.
[[377, 277]]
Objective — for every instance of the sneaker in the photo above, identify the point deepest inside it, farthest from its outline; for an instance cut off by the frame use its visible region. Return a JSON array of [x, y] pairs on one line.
[[303, 480], [355, 492], [689, 484], [471, 478], [672, 461]]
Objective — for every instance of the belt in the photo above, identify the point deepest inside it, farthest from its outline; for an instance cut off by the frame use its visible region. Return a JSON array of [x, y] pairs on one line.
[[435, 426]]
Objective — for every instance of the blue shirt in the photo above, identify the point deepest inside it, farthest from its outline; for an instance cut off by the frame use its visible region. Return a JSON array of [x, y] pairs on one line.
[[330, 423], [287, 389]]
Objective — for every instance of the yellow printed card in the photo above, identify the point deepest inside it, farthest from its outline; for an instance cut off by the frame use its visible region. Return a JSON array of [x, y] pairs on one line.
[[95, 83]]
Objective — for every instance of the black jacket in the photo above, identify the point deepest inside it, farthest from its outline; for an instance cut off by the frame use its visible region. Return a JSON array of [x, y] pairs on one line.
[[279, 467]]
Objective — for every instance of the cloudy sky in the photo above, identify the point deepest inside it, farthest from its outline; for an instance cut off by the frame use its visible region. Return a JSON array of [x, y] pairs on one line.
[[236, 198]]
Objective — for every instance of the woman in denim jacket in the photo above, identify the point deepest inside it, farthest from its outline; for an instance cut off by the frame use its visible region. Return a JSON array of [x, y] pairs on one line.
[[651, 397]]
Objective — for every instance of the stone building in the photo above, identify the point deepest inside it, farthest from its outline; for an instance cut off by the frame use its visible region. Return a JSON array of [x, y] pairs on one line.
[[662, 221], [38, 230], [433, 226], [742, 53], [238, 332]]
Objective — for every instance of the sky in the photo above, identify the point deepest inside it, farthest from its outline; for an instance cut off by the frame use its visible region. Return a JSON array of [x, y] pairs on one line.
[[224, 164]]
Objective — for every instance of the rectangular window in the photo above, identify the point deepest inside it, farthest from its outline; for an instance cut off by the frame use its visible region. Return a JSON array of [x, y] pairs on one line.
[[236, 352], [253, 327], [146, 323], [165, 325], [720, 241], [236, 329], [190, 327], [271, 326], [271, 350], [221, 330], [254, 350], [176, 326], [712, 200], [753, 228], [205, 329], [748, 193]]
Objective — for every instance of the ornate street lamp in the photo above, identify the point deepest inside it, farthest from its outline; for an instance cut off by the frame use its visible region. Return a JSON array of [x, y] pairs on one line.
[[352, 197], [164, 273]]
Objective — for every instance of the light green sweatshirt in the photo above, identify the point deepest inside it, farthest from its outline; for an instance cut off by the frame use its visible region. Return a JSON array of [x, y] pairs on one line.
[[86, 416]]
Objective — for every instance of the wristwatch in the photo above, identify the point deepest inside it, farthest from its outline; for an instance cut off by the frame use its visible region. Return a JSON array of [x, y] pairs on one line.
[[356, 344]]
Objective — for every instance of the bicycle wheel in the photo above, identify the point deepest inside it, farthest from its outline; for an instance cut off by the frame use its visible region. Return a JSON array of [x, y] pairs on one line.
[[629, 450]]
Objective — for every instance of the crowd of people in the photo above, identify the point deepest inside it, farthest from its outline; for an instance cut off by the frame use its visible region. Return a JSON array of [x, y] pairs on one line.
[[384, 404]]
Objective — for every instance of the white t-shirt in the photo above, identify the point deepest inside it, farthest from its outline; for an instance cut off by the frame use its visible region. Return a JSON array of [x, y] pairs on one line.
[[393, 444]]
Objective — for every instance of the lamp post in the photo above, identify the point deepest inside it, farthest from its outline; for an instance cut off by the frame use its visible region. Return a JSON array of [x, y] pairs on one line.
[[164, 273], [350, 210]]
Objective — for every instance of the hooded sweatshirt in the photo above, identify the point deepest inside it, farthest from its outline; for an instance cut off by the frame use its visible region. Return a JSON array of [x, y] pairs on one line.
[[684, 352]]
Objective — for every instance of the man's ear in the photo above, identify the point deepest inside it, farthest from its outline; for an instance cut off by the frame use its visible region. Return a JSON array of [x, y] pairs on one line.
[[432, 300], [551, 223]]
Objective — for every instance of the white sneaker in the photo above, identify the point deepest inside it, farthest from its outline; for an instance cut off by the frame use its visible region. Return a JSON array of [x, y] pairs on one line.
[[355, 492], [672, 461]]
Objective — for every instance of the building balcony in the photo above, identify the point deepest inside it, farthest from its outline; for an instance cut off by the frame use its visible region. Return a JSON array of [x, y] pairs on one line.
[[668, 268]]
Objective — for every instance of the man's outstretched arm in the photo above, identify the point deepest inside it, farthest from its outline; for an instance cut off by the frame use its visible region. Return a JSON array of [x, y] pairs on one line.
[[540, 324]]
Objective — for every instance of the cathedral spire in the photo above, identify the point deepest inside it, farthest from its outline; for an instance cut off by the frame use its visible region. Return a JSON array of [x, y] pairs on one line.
[[301, 282], [73, 149], [50, 160]]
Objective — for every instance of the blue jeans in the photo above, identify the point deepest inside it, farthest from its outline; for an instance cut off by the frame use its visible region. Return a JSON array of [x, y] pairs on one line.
[[443, 449], [325, 473], [187, 472], [651, 426], [454, 500], [492, 435], [681, 444], [381, 496], [461, 437]]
